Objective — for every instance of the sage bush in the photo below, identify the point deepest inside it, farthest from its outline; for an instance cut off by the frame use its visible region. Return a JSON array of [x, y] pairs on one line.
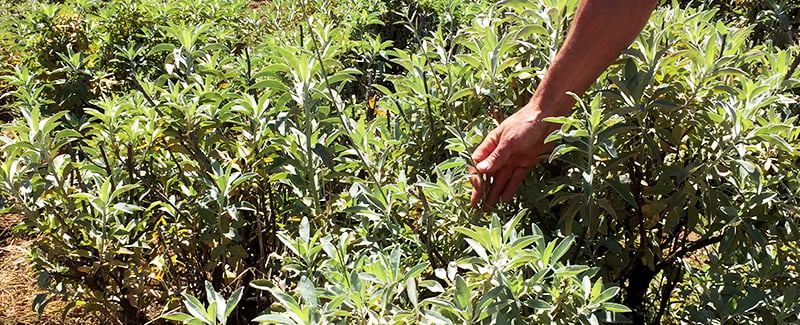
[[308, 161]]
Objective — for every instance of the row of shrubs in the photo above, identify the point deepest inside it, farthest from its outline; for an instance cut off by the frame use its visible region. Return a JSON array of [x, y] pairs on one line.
[[308, 159]]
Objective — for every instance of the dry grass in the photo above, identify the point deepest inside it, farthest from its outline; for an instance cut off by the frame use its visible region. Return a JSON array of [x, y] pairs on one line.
[[18, 283]]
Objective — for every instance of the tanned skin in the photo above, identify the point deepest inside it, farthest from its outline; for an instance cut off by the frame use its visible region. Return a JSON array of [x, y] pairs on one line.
[[600, 31]]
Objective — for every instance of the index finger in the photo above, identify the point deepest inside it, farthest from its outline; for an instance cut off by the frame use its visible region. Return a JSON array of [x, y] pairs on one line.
[[486, 147]]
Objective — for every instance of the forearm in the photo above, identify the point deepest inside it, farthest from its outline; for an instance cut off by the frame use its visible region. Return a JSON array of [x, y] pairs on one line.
[[600, 31]]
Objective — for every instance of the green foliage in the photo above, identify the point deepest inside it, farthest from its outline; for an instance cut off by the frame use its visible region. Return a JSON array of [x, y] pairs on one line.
[[773, 21], [314, 154], [514, 279], [674, 154], [217, 312]]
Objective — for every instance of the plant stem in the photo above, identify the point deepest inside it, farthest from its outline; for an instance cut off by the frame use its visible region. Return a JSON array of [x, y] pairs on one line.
[[340, 109]]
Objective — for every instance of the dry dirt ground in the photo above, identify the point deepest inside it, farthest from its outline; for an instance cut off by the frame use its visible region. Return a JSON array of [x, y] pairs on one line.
[[18, 283]]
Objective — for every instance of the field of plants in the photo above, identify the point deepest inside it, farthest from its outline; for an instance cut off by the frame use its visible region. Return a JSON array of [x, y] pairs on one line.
[[306, 162]]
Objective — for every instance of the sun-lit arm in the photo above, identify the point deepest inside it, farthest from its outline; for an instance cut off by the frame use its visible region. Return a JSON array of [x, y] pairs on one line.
[[600, 31]]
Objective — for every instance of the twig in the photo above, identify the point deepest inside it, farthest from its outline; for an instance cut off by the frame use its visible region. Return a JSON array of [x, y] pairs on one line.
[[792, 68], [110, 173], [339, 110], [432, 253], [693, 246], [672, 281]]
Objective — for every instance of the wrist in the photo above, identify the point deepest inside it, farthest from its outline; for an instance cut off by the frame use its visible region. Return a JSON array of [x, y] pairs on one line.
[[545, 104]]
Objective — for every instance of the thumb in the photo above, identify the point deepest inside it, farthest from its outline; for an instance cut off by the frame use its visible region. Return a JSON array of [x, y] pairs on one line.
[[496, 159]]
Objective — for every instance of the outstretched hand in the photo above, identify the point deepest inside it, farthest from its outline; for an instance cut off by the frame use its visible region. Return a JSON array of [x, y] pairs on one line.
[[600, 30], [507, 155]]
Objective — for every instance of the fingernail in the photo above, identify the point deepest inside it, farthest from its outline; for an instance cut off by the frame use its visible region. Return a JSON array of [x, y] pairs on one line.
[[483, 165]]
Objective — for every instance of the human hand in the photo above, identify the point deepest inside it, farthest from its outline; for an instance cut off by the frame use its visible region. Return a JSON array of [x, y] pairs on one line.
[[600, 30], [507, 154]]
